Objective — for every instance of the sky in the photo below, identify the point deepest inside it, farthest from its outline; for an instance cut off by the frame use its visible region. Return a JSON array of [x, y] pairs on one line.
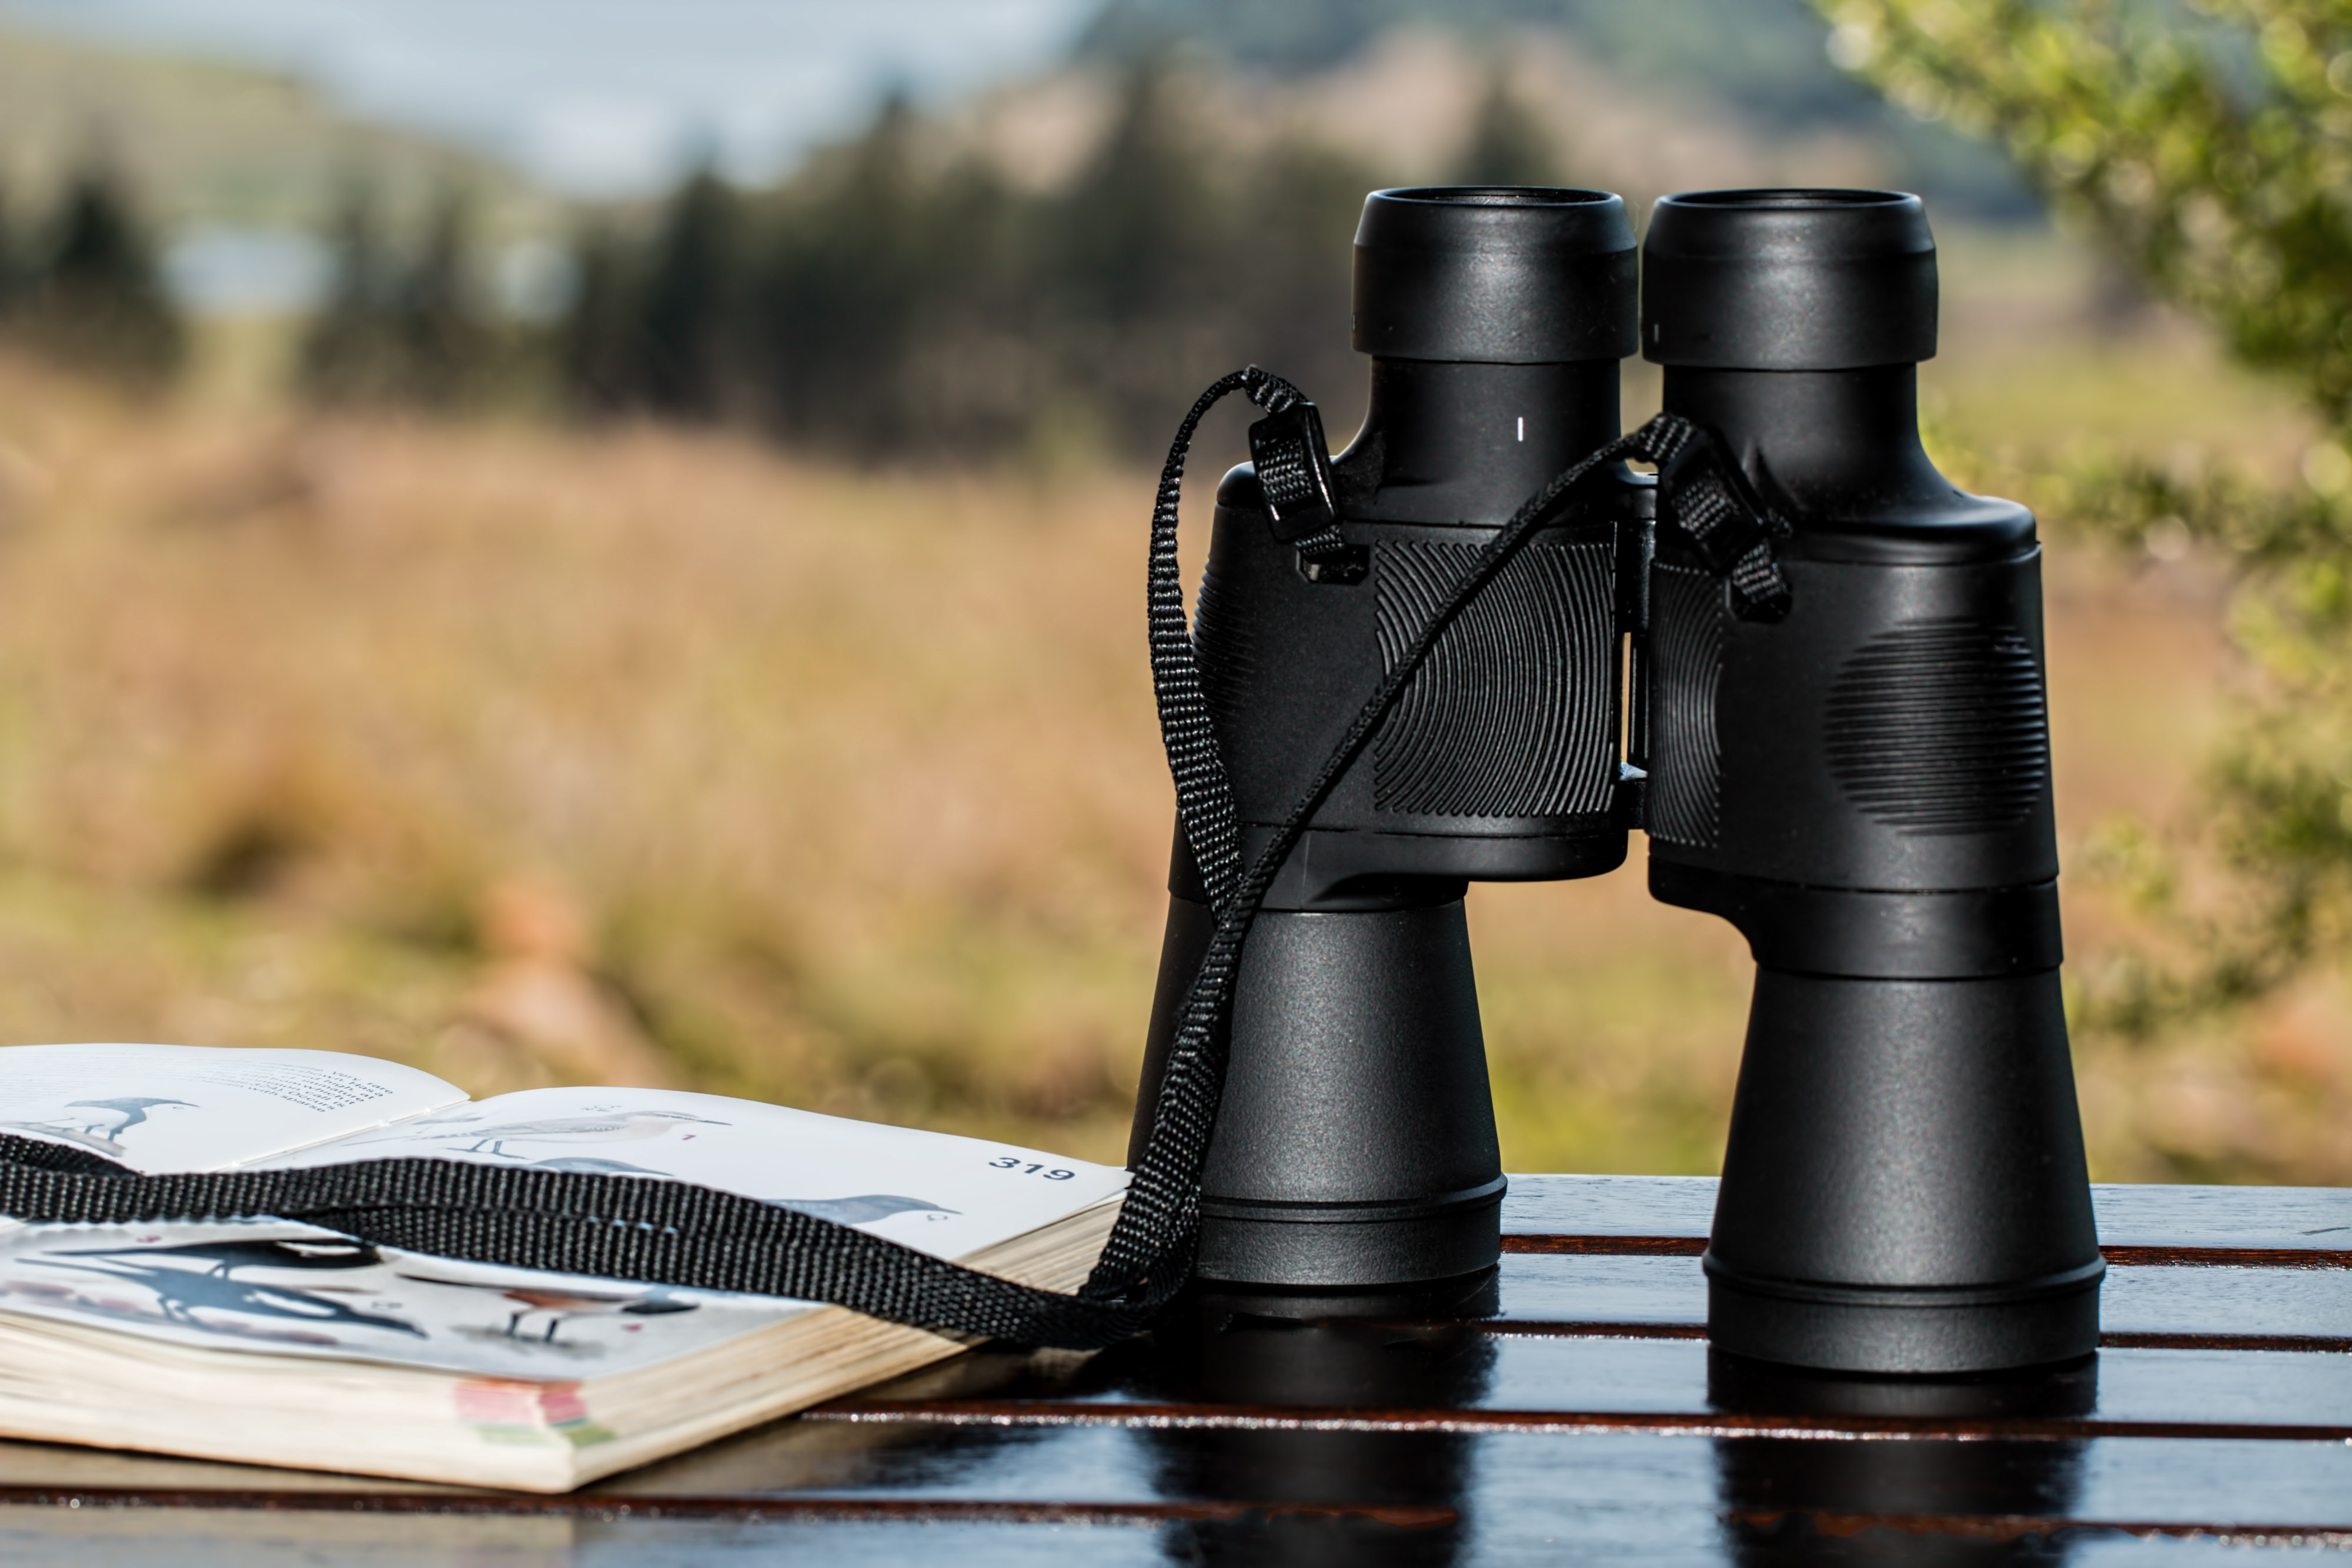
[[604, 97]]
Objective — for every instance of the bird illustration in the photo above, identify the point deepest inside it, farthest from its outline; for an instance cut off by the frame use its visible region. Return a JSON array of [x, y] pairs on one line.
[[560, 1305], [132, 1112], [228, 1256], [864, 1210], [90, 1141], [100, 1133], [590, 1165], [182, 1293], [617, 1127]]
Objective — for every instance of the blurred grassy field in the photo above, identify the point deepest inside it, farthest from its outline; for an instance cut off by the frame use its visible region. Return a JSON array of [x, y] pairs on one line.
[[530, 755]]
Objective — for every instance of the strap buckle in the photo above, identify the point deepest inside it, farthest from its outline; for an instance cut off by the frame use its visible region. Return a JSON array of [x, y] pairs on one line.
[[1294, 471]]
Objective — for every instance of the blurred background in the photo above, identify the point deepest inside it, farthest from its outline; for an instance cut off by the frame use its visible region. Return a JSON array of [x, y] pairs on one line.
[[603, 542]]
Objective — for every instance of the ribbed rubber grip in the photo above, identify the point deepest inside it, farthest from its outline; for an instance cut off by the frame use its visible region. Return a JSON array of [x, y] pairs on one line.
[[1514, 713], [1937, 727]]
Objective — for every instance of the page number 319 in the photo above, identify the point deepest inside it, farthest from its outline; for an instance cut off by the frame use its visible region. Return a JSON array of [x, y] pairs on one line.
[[1010, 1163]]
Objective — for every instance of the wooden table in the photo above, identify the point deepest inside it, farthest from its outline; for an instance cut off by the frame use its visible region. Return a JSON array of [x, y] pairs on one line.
[[1573, 1414]]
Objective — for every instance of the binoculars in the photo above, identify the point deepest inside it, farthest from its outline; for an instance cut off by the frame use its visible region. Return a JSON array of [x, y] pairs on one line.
[[1853, 770]]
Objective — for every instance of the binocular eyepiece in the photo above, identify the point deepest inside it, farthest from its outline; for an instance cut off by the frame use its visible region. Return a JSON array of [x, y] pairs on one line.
[[1853, 769]]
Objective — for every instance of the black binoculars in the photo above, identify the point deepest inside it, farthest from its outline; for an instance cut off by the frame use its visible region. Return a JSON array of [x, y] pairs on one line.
[[1853, 770]]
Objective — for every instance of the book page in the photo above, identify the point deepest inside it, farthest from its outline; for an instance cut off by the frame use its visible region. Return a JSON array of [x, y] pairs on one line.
[[294, 1289], [203, 1108], [287, 1289], [944, 1195]]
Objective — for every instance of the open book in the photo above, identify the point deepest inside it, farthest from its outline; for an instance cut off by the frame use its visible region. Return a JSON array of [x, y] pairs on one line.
[[280, 1344]]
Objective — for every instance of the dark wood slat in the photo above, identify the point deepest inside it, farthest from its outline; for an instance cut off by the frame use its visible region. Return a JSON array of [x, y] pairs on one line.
[[1017, 1495], [1567, 1328], [1614, 1245], [2020, 1527], [2225, 1219], [2230, 1299], [1589, 1410], [1520, 1481], [2225, 1483], [2191, 1307], [1655, 1211], [1656, 1206], [220, 1537], [767, 1506], [955, 1511], [1553, 1379], [2315, 1343], [1644, 1422], [67, 1468], [2227, 1256], [1577, 1288], [1518, 1244]]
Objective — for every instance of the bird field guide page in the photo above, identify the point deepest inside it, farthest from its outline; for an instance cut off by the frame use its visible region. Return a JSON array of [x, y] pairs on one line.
[[192, 1108], [509, 1336]]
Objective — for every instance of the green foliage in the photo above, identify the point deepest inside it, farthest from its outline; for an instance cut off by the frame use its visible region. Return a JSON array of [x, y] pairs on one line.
[[2232, 195], [2211, 155], [89, 293]]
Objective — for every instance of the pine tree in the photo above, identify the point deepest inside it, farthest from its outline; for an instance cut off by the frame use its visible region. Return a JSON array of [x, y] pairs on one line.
[[447, 341], [12, 261], [1143, 228], [404, 331], [685, 307], [350, 354], [95, 300], [595, 345], [1290, 277], [1146, 254], [1507, 144], [894, 300], [834, 303], [885, 316]]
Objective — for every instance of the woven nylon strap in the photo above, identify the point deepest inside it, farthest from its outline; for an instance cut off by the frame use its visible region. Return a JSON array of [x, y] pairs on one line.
[[1294, 480], [1706, 500], [677, 1234]]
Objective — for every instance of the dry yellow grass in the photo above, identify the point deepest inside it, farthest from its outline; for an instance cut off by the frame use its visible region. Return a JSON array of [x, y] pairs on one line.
[[531, 755], [853, 782]]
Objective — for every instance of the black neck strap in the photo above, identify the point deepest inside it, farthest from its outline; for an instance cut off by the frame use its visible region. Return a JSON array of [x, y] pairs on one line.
[[677, 1234]]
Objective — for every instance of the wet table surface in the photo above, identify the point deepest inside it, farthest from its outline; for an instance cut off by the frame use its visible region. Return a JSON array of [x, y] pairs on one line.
[[1567, 1410]]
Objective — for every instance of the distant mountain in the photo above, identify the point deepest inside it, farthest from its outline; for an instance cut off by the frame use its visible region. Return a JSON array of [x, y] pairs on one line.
[[1762, 62], [219, 146]]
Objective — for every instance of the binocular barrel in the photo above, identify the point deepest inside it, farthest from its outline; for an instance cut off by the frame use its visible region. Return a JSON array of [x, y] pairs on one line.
[[1862, 789], [1855, 772], [1356, 1142]]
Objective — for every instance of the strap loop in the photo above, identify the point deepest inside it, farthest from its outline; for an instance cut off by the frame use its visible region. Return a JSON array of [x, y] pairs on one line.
[[1704, 497], [1294, 476]]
